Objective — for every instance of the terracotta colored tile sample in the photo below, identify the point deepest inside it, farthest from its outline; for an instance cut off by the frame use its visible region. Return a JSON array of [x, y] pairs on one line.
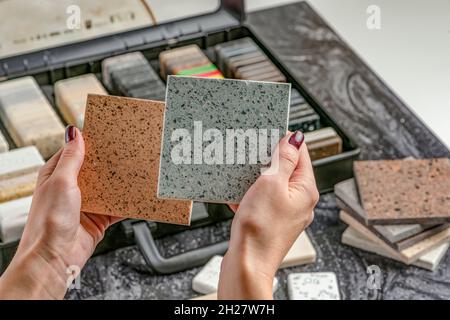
[[218, 136], [71, 95], [404, 191], [29, 117], [119, 175], [429, 261]]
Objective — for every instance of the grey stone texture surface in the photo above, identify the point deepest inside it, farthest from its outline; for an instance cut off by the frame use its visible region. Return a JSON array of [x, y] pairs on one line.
[[220, 169]]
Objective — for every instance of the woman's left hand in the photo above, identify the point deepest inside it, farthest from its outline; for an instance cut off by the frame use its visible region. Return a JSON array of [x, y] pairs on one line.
[[58, 239]]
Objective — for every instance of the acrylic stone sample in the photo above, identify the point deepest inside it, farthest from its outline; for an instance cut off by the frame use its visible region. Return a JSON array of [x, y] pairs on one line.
[[313, 286], [398, 236], [207, 280], [404, 191], [187, 61], [28, 116], [4, 146], [118, 63], [71, 95], [429, 260], [302, 252], [18, 187], [243, 59], [120, 170], [322, 143], [408, 255], [301, 115], [20, 161], [218, 136], [347, 192], [131, 75], [13, 216]]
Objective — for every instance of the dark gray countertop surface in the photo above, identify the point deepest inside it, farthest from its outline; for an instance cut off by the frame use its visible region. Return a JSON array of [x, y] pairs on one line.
[[381, 125]]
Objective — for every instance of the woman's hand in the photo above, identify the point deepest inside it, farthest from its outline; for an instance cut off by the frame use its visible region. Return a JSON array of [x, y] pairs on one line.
[[270, 217], [58, 238]]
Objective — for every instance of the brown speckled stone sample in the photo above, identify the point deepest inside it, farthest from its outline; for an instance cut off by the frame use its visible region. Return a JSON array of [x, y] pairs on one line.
[[119, 175], [398, 236], [404, 191]]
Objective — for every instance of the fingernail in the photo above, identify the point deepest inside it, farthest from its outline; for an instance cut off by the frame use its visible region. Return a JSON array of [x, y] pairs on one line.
[[297, 139], [70, 133]]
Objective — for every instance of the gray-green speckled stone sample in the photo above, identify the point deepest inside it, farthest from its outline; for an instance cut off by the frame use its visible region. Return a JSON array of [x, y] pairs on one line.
[[199, 104]]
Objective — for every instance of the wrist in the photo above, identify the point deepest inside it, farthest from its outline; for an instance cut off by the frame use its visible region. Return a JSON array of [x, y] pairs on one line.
[[244, 277], [34, 275]]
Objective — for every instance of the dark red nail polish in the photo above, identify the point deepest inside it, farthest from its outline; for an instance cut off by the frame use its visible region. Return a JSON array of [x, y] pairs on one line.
[[70, 133], [297, 139]]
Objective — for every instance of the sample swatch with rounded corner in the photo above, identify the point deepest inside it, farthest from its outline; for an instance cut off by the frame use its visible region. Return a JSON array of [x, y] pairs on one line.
[[218, 136], [404, 191], [120, 170]]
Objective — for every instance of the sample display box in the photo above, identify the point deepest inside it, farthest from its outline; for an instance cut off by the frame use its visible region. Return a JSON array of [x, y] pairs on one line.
[[207, 30]]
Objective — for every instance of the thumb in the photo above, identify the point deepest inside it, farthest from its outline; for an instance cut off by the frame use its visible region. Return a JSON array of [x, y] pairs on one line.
[[286, 155], [72, 155]]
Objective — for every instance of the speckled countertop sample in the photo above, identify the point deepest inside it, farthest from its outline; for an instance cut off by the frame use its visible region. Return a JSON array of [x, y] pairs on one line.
[[199, 105], [347, 194], [120, 171], [383, 128], [404, 191]]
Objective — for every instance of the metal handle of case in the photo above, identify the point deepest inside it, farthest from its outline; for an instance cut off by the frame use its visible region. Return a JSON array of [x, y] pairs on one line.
[[160, 265]]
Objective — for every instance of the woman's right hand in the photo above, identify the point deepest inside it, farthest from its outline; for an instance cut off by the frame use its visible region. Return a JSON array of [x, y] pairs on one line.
[[271, 216]]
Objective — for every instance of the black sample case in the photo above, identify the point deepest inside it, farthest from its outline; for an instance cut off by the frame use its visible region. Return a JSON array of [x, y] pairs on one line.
[[226, 24]]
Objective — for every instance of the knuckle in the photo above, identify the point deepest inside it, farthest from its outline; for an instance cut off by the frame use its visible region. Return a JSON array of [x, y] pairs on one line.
[[72, 153], [310, 194], [61, 182], [52, 222], [289, 156]]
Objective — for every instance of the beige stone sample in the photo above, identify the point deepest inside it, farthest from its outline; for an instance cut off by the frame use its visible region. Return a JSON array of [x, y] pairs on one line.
[[71, 95], [29, 117]]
